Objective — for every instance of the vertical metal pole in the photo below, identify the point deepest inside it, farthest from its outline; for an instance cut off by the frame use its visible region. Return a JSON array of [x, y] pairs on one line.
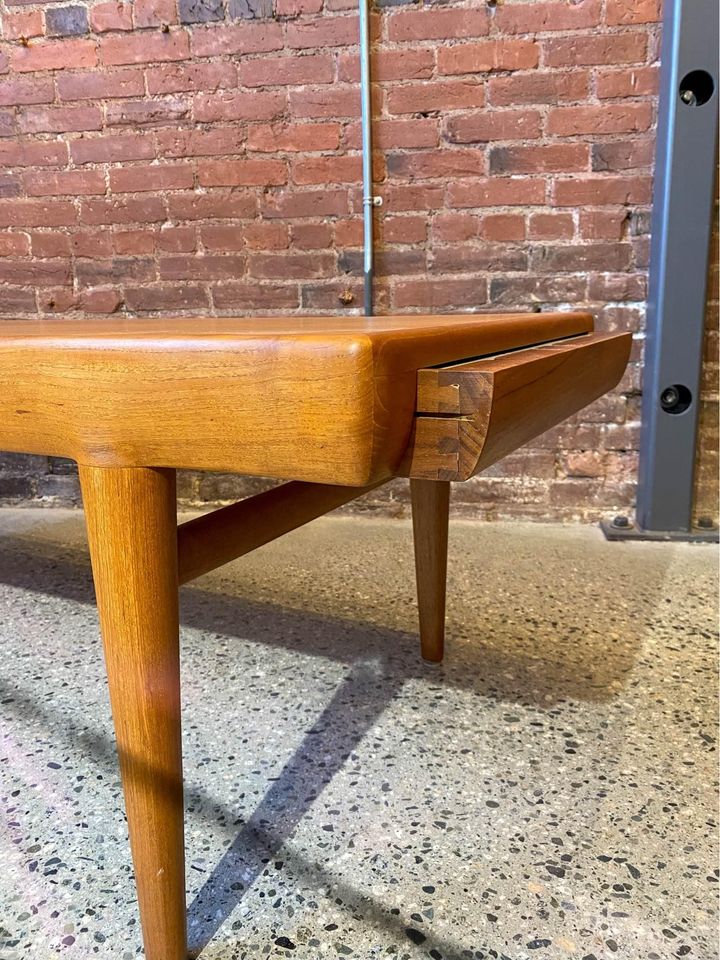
[[366, 118], [681, 228]]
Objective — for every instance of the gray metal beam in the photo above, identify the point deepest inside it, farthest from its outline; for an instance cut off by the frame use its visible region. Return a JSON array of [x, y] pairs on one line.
[[681, 226]]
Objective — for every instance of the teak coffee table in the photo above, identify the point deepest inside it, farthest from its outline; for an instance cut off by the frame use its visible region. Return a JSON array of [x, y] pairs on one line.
[[335, 405]]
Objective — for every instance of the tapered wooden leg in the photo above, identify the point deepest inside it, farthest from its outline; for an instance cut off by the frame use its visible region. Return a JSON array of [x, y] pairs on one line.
[[430, 506], [132, 531]]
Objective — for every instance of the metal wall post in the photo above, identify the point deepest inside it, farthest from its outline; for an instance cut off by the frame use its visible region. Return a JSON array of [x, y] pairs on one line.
[[686, 160]]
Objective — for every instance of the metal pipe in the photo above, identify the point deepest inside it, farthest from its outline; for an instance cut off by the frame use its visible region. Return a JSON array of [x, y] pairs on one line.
[[369, 200]]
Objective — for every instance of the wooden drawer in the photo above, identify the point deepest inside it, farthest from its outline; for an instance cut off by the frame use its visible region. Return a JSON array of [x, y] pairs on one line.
[[471, 414]]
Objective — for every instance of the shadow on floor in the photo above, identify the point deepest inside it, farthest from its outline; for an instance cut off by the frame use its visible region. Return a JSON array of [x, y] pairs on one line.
[[379, 662]]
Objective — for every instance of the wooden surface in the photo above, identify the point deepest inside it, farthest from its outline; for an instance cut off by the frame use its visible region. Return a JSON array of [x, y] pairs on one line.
[[328, 400], [470, 415], [223, 535], [131, 519], [430, 513]]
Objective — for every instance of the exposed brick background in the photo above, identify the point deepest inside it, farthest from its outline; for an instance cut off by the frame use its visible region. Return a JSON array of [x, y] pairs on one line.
[[202, 156]]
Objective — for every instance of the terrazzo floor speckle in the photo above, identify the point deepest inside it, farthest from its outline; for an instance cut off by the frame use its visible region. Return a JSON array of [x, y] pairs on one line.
[[549, 792]]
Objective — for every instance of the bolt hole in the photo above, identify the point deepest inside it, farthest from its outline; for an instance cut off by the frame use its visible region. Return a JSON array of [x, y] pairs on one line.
[[675, 398], [696, 88]]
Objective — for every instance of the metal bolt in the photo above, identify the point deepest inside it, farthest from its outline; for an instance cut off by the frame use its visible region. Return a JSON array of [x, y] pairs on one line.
[[688, 97], [669, 397], [621, 522]]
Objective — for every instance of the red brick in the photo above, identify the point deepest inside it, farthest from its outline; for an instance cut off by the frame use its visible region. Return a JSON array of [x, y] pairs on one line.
[[94, 273], [223, 238], [206, 267], [293, 138], [399, 64], [26, 23], [96, 85], [443, 95], [187, 77], [65, 183], [60, 119], [495, 125], [399, 197], [637, 82], [225, 141], [623, 154], [396, 134], [288, 265], [8, 123], [38, 273], [323, 32], [441, 163], [546, 158], [570, 85], [235, 173], [640, 11], [486, 256], [487, 56], [336, 100], [620, 286], [335, 169], [575, 258], [151, 178], [499, 191], [311, 236], [455, 227], [93, 244], [213, 107], [54, 55], [266, 236], [551, 226], [154, 13], [112, 149], [144, 48], [4, 62], [603, 224], [349, 233], [503, 227], [123, 210], [16, 91], [440, 294], [183, 296], [101, 300], [404, 229], [146, 112], [14, 245], [217, 40], [28, 154], [308, 203], [595, 120], [601, 50], [602, 190], [293, 8], [537, 17], [513, 292], [176, 239], [10, 185], [219, 205], [290, 70], [255, 296], [437, 24], [105, 17]]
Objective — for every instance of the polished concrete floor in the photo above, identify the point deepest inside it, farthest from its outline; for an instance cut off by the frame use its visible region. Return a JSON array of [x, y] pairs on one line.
[[550, 792]]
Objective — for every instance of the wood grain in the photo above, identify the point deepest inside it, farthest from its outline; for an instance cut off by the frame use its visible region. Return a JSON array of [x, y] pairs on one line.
[[131, 524], [470, 415], [327, 400], [430, 512], [223, 535]]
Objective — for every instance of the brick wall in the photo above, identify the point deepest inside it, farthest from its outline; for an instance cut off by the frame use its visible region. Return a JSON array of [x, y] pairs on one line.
[[171, 156]]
